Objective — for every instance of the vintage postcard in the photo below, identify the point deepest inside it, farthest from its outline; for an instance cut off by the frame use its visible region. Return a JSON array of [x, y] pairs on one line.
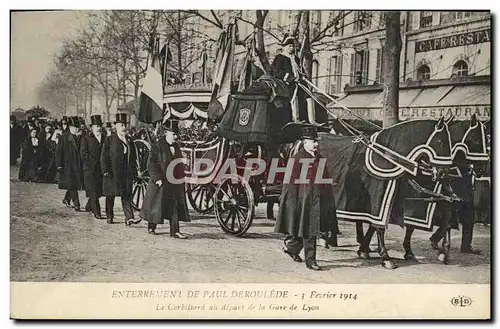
[[250, 164]]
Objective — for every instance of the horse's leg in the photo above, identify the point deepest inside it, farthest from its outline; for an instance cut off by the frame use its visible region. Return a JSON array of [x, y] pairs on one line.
[[444, 252], [364, 247], [359, 232], [387, 262], [407, 244]]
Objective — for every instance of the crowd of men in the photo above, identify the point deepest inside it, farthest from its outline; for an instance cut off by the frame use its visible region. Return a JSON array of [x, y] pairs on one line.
[[101, 160]]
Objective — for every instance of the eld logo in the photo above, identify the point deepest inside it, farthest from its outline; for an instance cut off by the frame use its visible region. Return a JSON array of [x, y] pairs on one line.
[[461, 301]]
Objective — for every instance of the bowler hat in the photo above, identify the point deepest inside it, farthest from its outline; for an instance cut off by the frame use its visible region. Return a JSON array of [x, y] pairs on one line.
[[74, 121], [96, 120], [121, 118]]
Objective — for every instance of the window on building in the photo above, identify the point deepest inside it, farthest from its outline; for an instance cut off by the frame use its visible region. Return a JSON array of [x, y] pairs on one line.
[[335, 76], [379, 71], [362, 20], [461, 69], [359, 67], [425, 19], [424, 72], [453, 16], [381, 20]]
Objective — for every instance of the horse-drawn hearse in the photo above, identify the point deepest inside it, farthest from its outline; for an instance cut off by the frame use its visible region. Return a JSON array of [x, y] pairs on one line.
[[397, 175]]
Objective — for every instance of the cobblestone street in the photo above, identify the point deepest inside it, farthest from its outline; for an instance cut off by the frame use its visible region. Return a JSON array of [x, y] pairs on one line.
[[50, 242]]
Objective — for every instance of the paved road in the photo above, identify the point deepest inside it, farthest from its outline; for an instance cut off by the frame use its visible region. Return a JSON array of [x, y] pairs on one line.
[[50, 242]]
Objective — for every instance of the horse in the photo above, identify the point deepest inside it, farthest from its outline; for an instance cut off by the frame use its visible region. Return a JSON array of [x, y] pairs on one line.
[[366, 172], [469, 150]]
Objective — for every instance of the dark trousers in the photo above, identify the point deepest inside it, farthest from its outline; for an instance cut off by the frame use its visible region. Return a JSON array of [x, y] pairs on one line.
[[72, 195], [126, 206], [294, 246], [269, 210], [466, 216], [174, 225], [93, 204]]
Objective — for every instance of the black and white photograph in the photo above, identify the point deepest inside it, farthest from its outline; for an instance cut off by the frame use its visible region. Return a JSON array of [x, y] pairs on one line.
[[196, 164]]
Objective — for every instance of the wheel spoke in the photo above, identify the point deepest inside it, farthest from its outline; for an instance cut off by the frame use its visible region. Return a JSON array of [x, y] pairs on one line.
[[201, 199], [227, 218], [198, 193], [232, 217]]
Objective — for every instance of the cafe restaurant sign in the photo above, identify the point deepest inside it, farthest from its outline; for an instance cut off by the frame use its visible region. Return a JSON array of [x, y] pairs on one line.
[[457, 40], [462, 112]]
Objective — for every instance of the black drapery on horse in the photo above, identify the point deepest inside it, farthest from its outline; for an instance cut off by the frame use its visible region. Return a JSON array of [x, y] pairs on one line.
[[367, 173], [470, 157]]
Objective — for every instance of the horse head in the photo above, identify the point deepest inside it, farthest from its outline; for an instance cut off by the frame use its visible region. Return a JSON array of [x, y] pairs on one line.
[[469, 144], [416, 139]]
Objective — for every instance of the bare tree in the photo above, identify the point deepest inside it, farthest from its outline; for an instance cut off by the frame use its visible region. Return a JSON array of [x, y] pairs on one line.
[[391, 63]]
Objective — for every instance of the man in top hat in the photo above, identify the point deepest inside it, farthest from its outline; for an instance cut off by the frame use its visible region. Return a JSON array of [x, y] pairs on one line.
[[69, 164], [119, 168], [165, 196], [64, 124], [90, 152], [307, 207]]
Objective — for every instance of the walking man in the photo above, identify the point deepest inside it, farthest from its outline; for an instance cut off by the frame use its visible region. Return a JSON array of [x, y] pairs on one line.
[[306, 205], [91, 159], [119, 168], [69, 164], [165, 196]]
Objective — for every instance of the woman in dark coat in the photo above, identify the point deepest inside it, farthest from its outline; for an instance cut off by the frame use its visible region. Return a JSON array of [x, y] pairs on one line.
[[69, 164], [119, 168], [165, 197], [31, 159], [306, 209]]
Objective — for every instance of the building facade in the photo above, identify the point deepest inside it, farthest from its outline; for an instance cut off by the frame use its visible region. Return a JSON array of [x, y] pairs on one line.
[[437, 48]]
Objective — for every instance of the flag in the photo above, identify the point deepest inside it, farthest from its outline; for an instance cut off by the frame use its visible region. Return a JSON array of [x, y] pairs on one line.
[[165, 58], [222, 80], [151, 96], [204, 60]]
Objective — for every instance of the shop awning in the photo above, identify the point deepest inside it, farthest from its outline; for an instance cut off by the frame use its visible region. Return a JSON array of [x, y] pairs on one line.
[[468, 95], [430, 96]]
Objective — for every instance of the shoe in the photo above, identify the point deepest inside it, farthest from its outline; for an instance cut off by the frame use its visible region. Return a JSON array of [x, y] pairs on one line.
[[296, 258], [77, 209], [135, 221], [109, 220], [434, 244], [314, 267], [470, 250], [178, 235], [152, 232], [97, 216], [67, 204]]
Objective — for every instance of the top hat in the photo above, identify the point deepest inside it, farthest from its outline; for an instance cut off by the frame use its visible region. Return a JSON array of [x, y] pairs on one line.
[[74, 121], [294, 131], [96, 120], [108, 124], [288, 40], [64, 119], [121, 118], [13, 118]]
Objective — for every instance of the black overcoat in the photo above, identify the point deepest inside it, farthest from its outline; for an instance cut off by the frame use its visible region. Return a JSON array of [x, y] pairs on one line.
[[121, 167], [90, 152], [169, 200], [306, 209], [68, 157], [31, 160]]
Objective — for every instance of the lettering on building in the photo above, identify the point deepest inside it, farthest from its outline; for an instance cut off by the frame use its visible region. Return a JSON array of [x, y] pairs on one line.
[[457, 40], [462, 112]]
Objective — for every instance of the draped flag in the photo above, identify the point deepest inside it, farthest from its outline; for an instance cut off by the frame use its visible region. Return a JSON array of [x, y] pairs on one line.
[[151, 96], [223, 74]]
